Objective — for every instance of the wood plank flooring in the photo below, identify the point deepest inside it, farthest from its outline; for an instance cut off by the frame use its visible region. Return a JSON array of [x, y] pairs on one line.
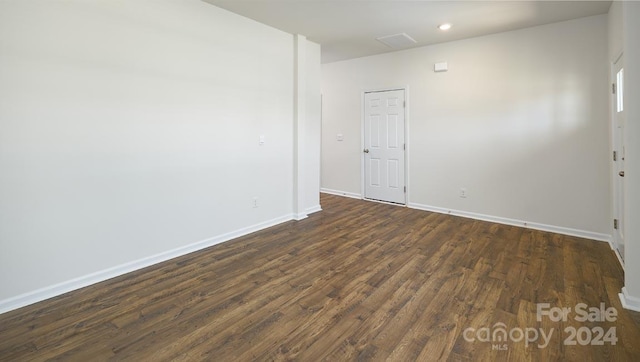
[[357, 281]]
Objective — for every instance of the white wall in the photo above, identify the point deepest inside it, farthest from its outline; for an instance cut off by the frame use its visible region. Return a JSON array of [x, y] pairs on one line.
[[519, 120], [129, 129], [306, 127], [631, 35], [313, 128], [614, 24]]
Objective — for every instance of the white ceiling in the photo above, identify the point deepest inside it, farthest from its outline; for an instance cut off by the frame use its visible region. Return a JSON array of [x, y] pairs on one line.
[[348, 28]]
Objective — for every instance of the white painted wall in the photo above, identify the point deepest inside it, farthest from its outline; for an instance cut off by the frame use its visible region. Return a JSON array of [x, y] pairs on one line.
[[631, 35], [130, 128], [519, 120], [299, 125], [614, 24], [313, 128]]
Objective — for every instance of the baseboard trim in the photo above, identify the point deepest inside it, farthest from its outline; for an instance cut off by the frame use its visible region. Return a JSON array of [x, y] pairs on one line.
[[514, 222], [313, 209], [55, 290], [616, 252], [629, 302], [341, 193]]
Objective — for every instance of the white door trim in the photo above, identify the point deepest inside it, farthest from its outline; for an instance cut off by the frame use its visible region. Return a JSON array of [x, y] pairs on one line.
[[404, 88]]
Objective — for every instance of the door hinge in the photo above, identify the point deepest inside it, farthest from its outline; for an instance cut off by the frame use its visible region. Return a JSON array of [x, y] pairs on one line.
[[404, 104], [615, 156], [615, 224], [405, 189], [613, 88], [404, 147]]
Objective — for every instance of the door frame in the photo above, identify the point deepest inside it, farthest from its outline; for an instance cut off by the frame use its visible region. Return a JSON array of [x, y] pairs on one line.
[[404, 88], [613, 168]]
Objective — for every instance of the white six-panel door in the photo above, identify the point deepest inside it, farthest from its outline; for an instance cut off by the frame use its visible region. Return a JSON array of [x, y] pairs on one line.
[[384, 146]]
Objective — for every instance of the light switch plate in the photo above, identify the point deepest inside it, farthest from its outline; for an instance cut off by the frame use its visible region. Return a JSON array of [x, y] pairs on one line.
[[440, 67]]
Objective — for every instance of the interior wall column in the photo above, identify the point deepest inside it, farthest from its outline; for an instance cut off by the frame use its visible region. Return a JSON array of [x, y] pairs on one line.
[[299, 129]]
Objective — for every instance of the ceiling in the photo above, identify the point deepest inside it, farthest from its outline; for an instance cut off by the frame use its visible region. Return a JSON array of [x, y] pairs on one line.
[[348, 28]]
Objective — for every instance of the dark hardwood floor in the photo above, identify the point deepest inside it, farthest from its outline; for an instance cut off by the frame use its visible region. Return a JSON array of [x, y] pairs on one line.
[[357, 281]]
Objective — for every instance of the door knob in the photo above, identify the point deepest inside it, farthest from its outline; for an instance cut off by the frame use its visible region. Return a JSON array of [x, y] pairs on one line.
[[366, 150], [621, 173]]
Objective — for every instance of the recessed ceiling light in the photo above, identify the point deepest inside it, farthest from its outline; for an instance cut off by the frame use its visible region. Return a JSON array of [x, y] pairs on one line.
[[445, 26]]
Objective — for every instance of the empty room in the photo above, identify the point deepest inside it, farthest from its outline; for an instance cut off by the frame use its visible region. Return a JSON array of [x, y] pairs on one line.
[[319, 180]]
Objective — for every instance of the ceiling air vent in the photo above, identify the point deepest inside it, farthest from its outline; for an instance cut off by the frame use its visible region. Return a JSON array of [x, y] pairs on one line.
[[397, 41]]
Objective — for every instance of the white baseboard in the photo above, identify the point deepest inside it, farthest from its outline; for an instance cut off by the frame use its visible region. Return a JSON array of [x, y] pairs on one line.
[[313, 209], [501, 220], [305, 214], [341, 193], [616, 252], [629, 302], [39, 295]]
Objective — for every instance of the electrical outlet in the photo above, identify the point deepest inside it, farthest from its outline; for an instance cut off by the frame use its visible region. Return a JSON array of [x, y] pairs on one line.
[[255, 202], [463, 193]]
